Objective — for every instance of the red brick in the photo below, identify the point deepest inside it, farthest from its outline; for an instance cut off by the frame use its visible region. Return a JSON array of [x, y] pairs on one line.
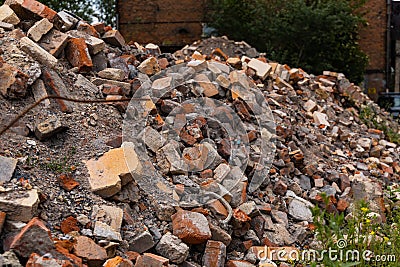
[[69, 224], [214, 254], [109, 89], [2, 220], [77, 54], [208, 173], [55, 84], [342, 205], [191, 227], [88, 250], [67, 182], [27, 9]]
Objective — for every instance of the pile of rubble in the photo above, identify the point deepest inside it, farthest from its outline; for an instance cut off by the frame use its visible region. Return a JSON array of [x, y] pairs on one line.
[[217, 152]]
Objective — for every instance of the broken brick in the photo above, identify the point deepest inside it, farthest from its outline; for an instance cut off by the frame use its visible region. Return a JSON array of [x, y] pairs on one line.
[[69, 224], [77, 54]]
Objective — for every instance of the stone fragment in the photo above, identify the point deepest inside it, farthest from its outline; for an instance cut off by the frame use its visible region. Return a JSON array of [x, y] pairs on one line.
[[262, 69], [191, 227], [104, 231], [218, 234], [114, 37], [77, 54], [151, 260], [364, 143], [112, 74], [149, 66], [64, 21], [209, 89], [46, 129], [88, 250], [7, 168], [214, 254], [153, 139], [111, 215], [20, 205], [310, 106], [39, 29], [320, 118], [280, 188], [24, 244], [8, 15], [118, 262], [110, 172], [300, 211], [172, 248], [141, 242], [37, 52], [9, 259]]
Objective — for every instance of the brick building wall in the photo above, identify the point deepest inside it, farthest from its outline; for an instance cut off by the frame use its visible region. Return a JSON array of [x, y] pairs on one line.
[[165, 22], [373, 43]]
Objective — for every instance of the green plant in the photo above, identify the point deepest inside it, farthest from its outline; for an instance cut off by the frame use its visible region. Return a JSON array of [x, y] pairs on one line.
[[59, 165], [370, 118], [361, 232], [312, 34]]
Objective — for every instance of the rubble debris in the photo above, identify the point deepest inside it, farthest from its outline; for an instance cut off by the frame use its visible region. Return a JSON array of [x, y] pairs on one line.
[[219, 152]]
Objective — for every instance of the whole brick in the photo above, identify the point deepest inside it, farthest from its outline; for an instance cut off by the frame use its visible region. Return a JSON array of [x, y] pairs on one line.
[[191, 227], [114, 37], [78, 55]]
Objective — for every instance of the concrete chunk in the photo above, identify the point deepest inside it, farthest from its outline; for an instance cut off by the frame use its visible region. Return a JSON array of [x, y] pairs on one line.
[[262, 69], [110, 172], [19, 205]]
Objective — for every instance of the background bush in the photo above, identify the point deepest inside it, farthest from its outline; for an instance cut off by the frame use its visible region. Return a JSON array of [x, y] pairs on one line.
[[315, 35]]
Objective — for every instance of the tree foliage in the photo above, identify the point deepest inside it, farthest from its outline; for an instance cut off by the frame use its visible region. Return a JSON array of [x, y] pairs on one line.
[[315, 35]]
